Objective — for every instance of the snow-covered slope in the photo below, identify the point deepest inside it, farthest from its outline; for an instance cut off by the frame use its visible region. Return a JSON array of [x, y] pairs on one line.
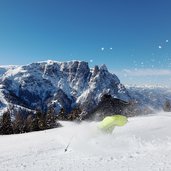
[[144, 144], [3, 69], [59, 84]]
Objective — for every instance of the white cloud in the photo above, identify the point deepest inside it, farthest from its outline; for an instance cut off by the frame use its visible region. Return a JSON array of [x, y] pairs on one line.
[[111, 48], [160, 46], [102, 48], [146, 76], [167, 41], [91, 60], [147, 72]]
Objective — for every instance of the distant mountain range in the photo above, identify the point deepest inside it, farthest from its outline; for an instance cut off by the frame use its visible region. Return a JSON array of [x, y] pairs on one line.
[[73, 84]]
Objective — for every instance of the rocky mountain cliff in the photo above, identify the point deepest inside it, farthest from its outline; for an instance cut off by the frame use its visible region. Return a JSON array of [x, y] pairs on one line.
[[59, 85]]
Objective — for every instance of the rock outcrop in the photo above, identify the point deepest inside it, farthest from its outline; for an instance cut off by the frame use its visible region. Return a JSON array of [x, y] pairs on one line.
[[59, 85]]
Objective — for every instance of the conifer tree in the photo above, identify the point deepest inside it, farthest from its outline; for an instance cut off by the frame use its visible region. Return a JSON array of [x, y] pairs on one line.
[[39, 121], [29, 123], [75, 114], [18, 123], [6, 125], [34, 126], [62, 114], [50, 119]]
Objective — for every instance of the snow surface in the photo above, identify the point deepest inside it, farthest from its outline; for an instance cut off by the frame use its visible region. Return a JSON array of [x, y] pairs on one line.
[[144, 144]]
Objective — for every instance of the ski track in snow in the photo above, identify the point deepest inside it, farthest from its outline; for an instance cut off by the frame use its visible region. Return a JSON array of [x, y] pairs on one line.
[[144, 144]]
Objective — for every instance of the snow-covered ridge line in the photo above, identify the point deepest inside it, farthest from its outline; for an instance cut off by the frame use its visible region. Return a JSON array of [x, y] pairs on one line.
[[8, 66], [147, 86], [73, 84], [60, 84], [5, 68]]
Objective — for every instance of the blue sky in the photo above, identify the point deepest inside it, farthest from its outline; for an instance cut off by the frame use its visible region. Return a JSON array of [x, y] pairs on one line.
[[126, 35]]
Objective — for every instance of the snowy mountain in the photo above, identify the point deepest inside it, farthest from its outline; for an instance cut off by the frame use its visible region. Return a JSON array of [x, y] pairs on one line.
[[149, 99], [4, 69], [59, 85], [73, 84]]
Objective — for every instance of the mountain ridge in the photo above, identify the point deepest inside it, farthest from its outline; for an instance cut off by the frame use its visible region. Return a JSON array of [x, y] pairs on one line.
[[73, 84], [59, 85]]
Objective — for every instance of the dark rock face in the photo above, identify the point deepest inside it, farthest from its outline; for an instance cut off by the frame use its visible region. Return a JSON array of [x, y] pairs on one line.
[[108, 106], [63, 99], [59, 85]]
